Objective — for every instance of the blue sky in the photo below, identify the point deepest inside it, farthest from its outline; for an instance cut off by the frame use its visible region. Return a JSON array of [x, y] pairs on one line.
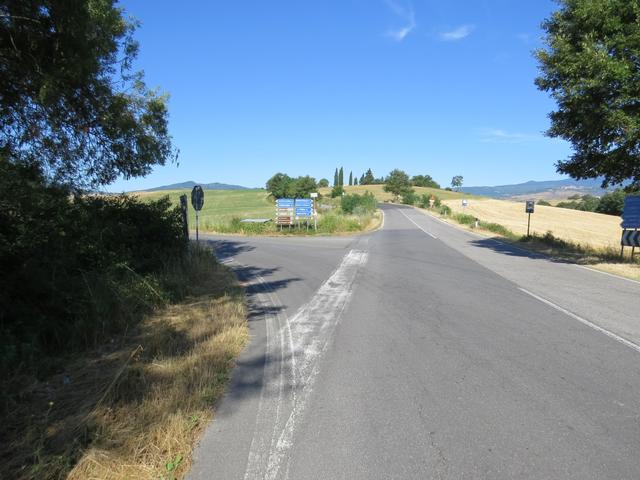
[[431, 87]]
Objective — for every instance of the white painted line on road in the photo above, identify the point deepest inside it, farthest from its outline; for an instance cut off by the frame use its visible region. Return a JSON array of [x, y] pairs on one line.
[[609, 334], [409, 218], [309, 334], [609, 274]]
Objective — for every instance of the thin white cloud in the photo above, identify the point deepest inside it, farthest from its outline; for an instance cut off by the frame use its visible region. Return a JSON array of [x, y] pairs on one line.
[[406, 13], [456, 34], [498, 135]]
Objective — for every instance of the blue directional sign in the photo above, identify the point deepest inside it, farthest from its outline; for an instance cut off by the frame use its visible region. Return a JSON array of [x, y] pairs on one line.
[[631, 212], [304, 207], [284, 203]]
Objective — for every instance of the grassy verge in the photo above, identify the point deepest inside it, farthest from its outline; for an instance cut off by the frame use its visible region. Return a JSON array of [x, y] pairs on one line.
[[328, 223], [603, 258], [134, 407]]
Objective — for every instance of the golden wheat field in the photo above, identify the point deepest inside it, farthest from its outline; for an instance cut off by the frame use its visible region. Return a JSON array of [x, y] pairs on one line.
[[586, 228]]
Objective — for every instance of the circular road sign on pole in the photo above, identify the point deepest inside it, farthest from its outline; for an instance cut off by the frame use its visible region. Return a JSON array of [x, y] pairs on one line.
[[197, 200]]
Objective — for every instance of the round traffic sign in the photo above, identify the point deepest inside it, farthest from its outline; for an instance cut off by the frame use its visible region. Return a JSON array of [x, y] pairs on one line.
[[197, 198]]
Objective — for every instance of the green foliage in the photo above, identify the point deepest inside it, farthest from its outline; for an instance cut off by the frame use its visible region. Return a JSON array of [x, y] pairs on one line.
[[350, 178], [282, 185], [279, 185], [69, 101], [612, 203], [464, 218], [76, 269], [424, 181], [397, 183], [341, 177], [456, 181], [362, 203], [337, 191], [409, 197], [444, 210], [590, 67], [424, 201], [336, 178], [323, 183], [367, 178], [543, 202]]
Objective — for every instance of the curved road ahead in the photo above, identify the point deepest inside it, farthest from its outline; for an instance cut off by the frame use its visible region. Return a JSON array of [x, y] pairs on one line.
[[424, 351]]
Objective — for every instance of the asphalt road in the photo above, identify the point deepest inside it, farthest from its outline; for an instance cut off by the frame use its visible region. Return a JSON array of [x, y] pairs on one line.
[[423, 351]]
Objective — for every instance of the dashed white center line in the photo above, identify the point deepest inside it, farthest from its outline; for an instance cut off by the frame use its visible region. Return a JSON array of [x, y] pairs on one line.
[[412, 221]]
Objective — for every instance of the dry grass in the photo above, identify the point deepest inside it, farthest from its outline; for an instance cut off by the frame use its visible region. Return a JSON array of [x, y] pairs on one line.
[[587, 244], [586, 228], [134, 409]]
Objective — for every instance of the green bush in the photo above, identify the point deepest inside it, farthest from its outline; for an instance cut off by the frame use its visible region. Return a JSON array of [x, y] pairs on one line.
[[464, 218], [409, 197], [76, 269], [544, 203], [444, 210], [366, 203]]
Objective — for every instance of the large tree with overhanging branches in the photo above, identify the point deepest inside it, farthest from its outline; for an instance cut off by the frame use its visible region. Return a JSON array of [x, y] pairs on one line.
[[70, 102], [591, 68]]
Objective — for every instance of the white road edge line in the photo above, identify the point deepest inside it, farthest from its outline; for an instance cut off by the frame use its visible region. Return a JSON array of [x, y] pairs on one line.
[[409, 218], [606, 332], [608, 274]]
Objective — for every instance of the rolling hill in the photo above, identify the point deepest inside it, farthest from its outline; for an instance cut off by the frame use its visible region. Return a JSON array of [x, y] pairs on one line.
[[191, 184], [542, 189]]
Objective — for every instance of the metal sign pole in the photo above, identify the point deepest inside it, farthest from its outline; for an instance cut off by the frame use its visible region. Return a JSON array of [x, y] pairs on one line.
[[528, 224], [197, 227]]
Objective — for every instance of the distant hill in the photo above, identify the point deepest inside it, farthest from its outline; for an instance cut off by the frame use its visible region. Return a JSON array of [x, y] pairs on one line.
[[191, 184], [556, 189]]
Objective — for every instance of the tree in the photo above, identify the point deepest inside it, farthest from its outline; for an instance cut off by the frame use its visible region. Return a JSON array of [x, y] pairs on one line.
[[456, 182], [368, 178], [279, 185], [336, 178], [590, 67], [323, 183], [70, 103], [303, 186], [362, 179], [397, 183], [612, 203], [355, 180], [341, 177], [350, 178], [337, 191], [424, 181]]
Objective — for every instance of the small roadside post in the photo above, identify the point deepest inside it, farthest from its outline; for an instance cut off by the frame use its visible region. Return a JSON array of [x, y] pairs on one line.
[[314, 196], [197, 200], [529, 208], [184, 209], [630, 224], [465, 204]]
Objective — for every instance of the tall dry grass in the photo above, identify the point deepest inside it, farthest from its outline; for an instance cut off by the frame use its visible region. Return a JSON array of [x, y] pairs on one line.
[[134, 408]]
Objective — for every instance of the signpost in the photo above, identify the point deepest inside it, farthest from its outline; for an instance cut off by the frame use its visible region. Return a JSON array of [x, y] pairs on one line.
[[184, 209], [304, 209], [197, 201], [630, 224], [314, 195], [465, 203], [529, 208], [284, 211]]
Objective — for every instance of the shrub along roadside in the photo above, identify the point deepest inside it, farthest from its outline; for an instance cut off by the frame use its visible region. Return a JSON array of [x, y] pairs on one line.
[[75, 270], [134, 406]]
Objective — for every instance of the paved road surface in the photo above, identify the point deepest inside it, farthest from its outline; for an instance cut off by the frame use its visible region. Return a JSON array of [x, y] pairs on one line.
[[424, 351]]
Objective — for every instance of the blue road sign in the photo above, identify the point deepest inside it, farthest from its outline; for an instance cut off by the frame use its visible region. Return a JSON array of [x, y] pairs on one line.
[[631, 212], [304, 212], [284, 202], [304, 202]]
